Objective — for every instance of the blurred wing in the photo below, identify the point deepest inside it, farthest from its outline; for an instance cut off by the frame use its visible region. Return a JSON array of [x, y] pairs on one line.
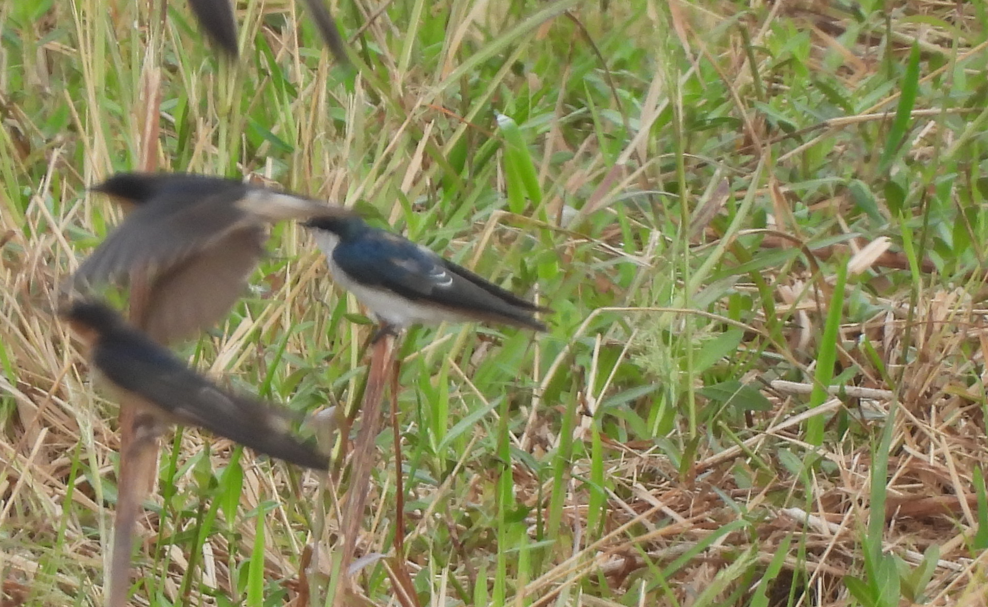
[[149, 372], [196, 294], [328, 30], [161, 233], [271, 206], [254, 424], [217, 18]]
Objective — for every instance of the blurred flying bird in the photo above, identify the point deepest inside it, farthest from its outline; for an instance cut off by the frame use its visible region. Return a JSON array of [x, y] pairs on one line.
[[151, 376], [403, 283], [217, 18], [194, 240], [187, 247]]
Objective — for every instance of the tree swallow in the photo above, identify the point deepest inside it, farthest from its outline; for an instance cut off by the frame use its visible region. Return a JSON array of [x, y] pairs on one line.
[[144, 372], [193, 239], [403, 283], [217, 18]]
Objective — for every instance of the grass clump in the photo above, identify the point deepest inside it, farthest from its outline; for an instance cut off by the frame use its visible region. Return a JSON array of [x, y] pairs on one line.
[[760, 229]]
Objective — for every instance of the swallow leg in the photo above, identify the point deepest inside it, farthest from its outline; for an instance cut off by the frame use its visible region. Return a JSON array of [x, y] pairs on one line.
[[384, 330], [380, 332]]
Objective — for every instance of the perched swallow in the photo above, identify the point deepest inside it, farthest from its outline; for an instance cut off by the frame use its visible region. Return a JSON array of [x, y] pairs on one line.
[[217, 18], [403, 283], [149, 374], [193, 239]]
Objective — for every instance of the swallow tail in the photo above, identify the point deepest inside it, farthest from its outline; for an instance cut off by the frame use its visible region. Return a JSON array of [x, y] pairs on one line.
[[504, 295], [514, 317], [504, 307]]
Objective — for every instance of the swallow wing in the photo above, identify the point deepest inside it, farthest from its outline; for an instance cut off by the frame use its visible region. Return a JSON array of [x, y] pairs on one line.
[[328, 30], [217, 18], [163, 232], [195, 295], [140, 367], [502, 294], [387, 261]]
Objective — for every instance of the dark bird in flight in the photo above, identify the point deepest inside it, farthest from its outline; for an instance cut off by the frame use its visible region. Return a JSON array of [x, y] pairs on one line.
[[217, 18], [148, 374], [403, 283], [187, 247], [193, 240]]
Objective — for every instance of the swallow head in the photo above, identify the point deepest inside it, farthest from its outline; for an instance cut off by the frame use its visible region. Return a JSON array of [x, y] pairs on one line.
[[90, 319], [135, 188], [344, 226], [328, 231]]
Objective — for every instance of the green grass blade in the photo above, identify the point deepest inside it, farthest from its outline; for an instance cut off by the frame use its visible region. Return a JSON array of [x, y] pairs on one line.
[[827, 356]]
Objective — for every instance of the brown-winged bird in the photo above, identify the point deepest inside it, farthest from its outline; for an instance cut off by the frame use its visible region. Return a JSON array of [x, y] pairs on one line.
[[193, 239], [186, 247], [217, 18]]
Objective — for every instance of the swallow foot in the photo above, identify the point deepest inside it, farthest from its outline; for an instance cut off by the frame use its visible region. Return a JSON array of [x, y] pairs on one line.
[[383, 330]]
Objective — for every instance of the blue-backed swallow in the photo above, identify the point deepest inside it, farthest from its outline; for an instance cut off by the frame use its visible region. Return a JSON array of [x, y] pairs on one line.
[[403, 283]]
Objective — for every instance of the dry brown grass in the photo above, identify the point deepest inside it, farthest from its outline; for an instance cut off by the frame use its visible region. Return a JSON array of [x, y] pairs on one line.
[[696, 500]]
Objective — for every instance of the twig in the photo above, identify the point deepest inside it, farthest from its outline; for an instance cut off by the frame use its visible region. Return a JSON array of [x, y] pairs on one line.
[[401, 579], [363, 452], [789, 387], [133, 485], [399, 481], [138, 433]]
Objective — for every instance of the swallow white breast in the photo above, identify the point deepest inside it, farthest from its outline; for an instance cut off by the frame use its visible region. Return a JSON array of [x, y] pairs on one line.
[[384, 305]]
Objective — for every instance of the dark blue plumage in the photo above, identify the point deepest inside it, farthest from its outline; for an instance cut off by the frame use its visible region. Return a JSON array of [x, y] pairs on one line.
[[403, 283]]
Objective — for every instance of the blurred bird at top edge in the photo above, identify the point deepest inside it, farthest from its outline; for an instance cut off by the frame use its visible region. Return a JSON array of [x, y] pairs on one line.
[[218, 19]]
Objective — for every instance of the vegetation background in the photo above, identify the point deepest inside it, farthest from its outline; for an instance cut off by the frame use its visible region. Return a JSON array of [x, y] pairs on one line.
[[761, 227]]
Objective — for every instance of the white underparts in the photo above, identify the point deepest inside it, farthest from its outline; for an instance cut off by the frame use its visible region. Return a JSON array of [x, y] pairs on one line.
[[384, 306]]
